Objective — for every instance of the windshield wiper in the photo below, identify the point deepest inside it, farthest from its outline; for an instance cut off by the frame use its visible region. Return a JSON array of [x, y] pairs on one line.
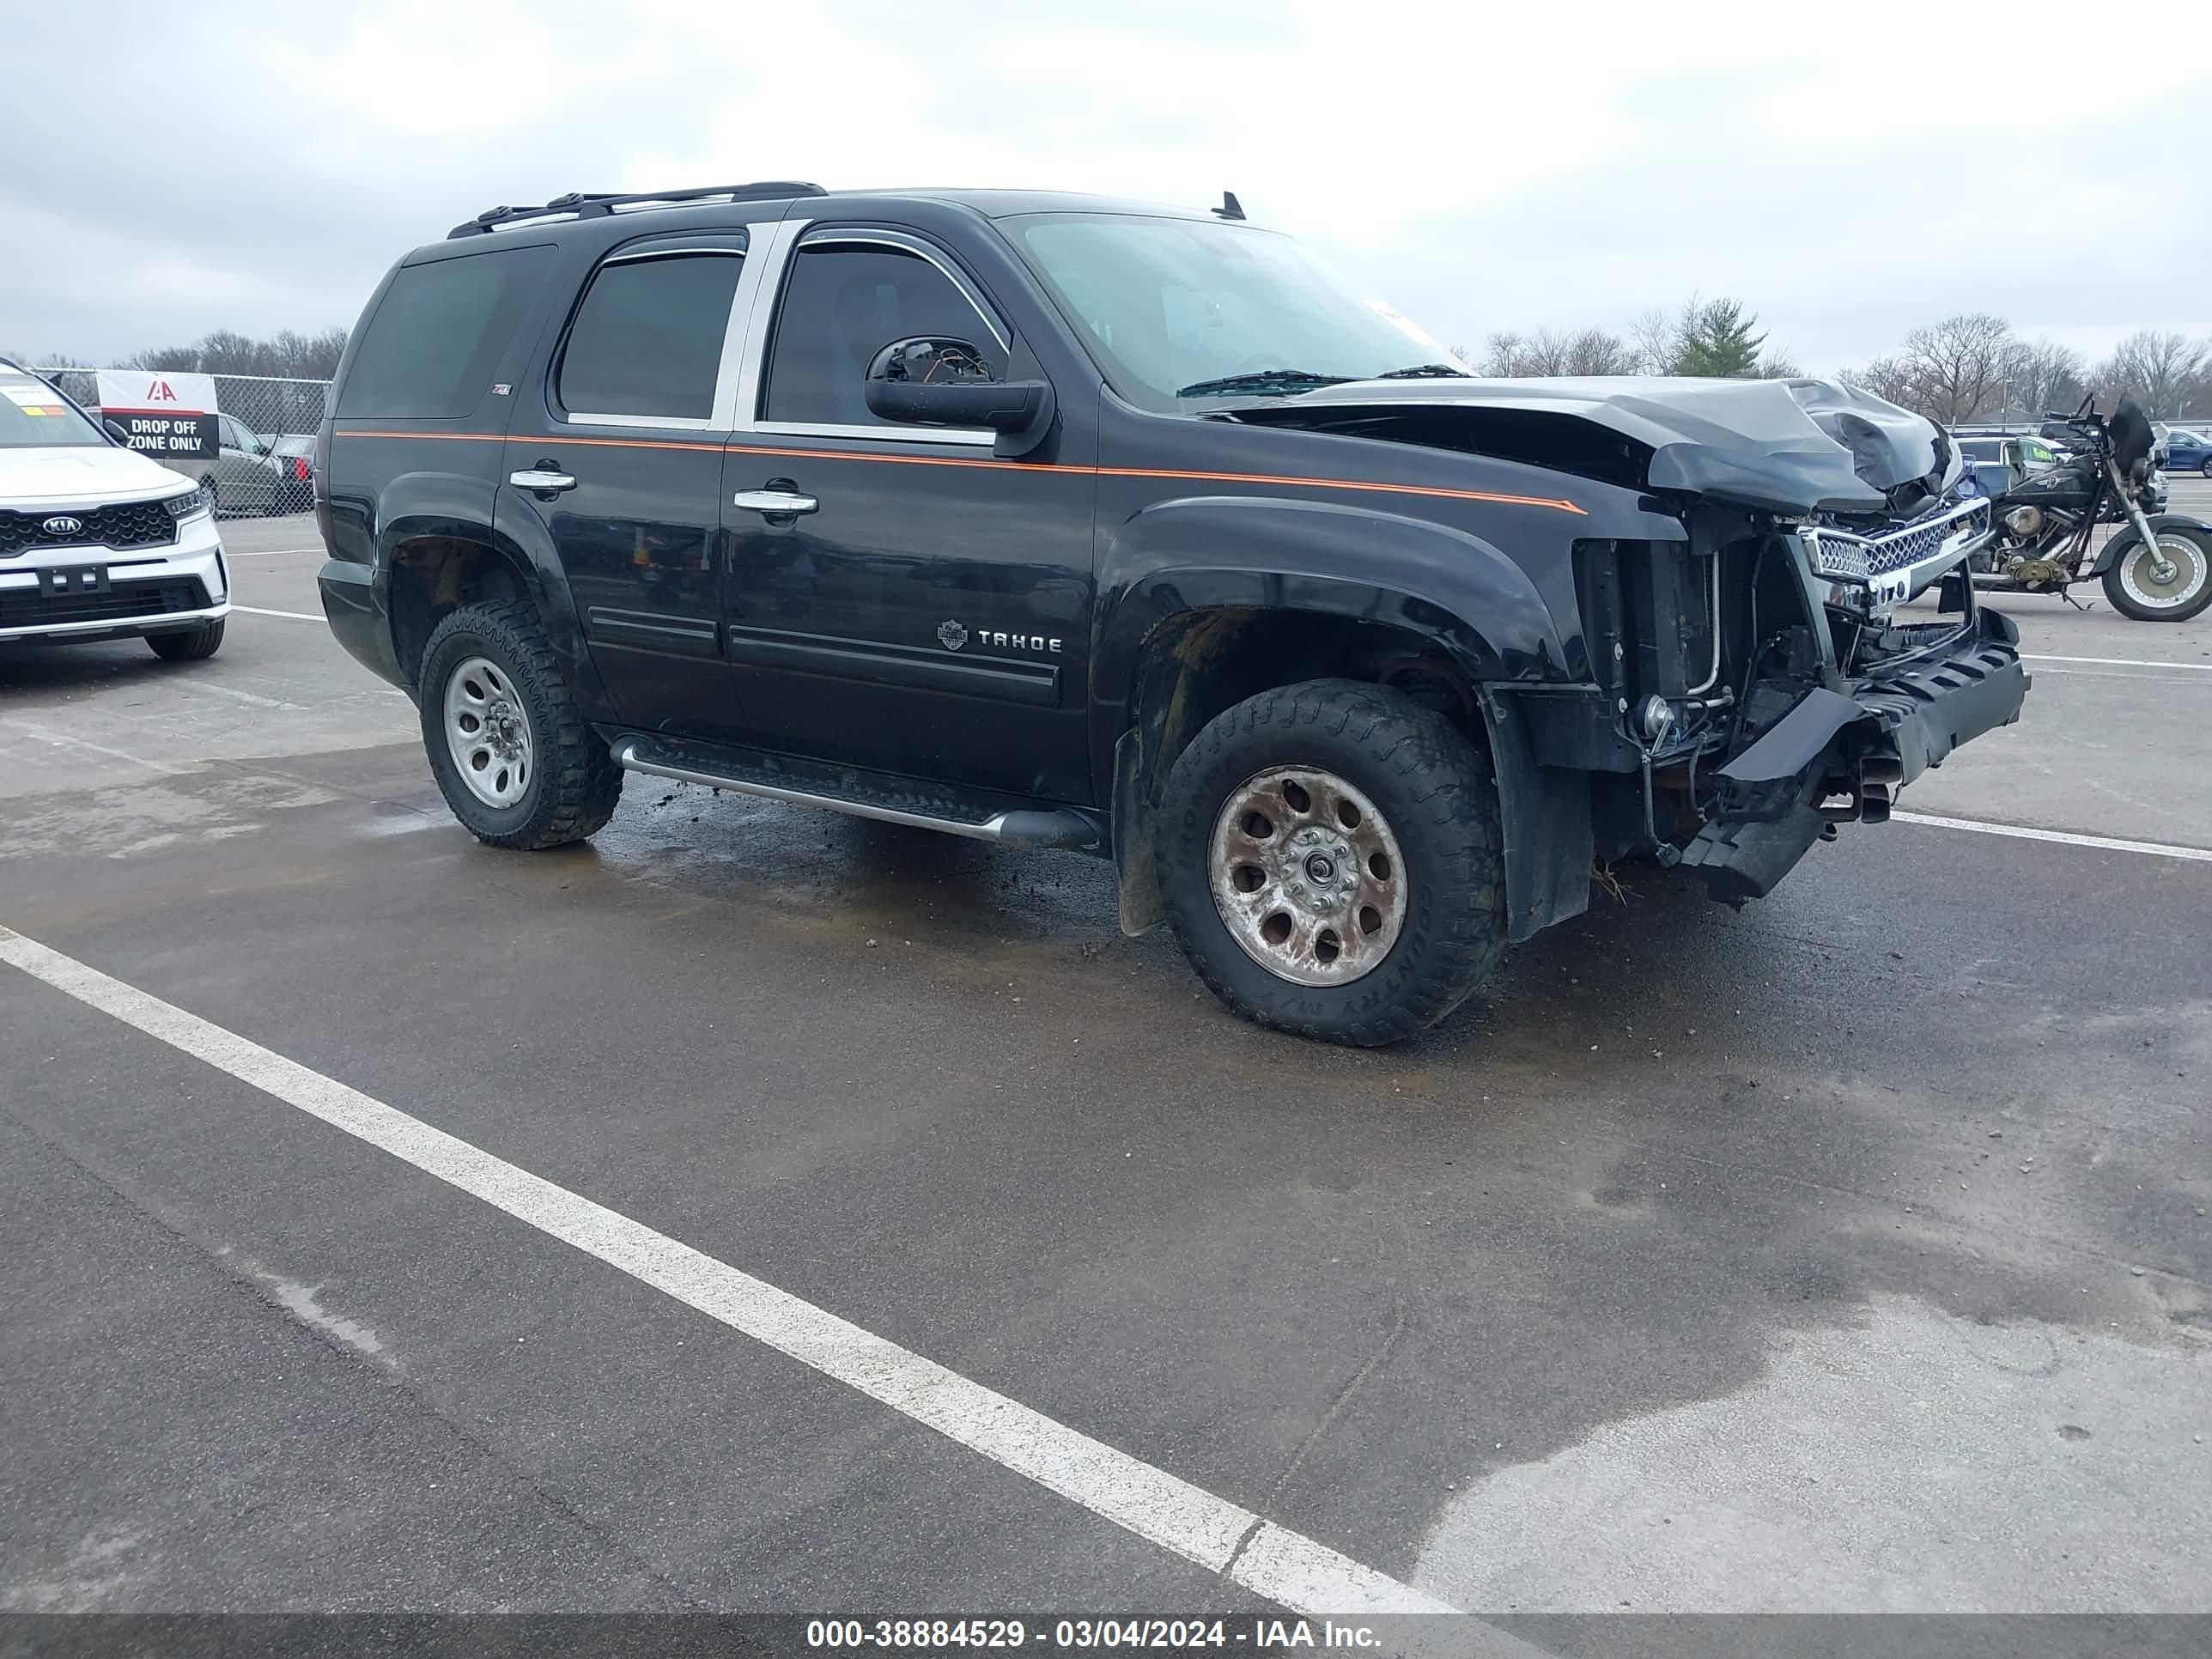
[[1426, 372], [1262, 380]]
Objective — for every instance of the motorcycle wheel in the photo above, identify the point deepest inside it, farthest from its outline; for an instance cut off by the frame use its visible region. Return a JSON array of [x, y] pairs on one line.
[[2136, 591]]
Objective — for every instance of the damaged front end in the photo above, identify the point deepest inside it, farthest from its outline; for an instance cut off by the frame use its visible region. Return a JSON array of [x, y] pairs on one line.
[[1750, 685], [1827, 704]]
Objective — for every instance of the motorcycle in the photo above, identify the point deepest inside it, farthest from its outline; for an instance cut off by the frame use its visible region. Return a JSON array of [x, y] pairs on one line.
[[2156, 568]]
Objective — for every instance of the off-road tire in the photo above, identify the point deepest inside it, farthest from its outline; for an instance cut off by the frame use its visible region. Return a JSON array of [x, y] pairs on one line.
[[188, 644], [2124, 602], [1434, 789], [576, 784]]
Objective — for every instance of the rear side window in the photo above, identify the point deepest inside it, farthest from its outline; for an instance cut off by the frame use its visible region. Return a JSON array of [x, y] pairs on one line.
[[647, 340], [429, 352]]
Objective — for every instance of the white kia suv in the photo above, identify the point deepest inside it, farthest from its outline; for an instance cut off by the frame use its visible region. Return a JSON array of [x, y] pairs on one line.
[[97, 542]]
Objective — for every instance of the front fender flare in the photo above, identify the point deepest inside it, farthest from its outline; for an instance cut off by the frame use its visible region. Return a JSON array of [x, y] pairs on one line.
[[1271, 553], [2125, 537], [1438, 582]]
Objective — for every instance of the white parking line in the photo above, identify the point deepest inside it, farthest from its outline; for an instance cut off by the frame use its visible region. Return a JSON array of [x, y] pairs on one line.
[[1222, 1537], [2120, 662], [2065, 837], [264, 552], [293, 616], [64, 741]]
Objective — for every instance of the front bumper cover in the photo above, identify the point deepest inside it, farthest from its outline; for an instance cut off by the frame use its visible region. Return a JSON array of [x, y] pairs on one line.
[[1839, 754], [144, 584]]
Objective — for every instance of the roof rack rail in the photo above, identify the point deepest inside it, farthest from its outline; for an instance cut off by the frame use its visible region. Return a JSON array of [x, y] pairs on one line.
[[577, 204]]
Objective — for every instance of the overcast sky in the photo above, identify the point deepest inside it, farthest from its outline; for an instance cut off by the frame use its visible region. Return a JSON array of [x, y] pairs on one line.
[[1849, 169]]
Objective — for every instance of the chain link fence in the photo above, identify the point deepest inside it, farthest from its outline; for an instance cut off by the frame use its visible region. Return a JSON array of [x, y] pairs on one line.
[[268, 438]]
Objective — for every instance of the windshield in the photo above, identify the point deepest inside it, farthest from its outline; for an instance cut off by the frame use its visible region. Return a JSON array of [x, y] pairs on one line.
[[33, 415], [1172, 304], [1982, 449]]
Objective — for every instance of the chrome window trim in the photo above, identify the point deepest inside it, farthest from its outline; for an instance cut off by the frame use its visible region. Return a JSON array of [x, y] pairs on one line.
[[889, 431], [675, 422], [770, 251], [775, 262], [718, 415]]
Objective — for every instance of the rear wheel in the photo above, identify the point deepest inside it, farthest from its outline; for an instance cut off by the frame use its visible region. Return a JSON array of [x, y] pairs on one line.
[[2170, 582], [1329, 856], [2206, 470], [513, 754], [188, 645]]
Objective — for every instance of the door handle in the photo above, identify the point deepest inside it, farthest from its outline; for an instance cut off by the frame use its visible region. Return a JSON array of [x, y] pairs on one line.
[[546, 476], [776, 503]]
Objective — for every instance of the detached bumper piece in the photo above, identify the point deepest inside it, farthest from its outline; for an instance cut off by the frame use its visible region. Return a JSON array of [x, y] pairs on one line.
[[1838, 758]]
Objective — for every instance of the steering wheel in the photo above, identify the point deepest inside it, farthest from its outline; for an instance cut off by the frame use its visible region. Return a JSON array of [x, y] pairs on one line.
[[1258, 362]]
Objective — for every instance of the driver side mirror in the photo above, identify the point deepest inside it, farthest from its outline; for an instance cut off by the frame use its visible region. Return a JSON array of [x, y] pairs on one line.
[[929, 380], [114, 430]]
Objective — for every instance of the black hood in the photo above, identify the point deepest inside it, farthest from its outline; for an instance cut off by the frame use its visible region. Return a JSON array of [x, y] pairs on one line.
[[1791, 446]]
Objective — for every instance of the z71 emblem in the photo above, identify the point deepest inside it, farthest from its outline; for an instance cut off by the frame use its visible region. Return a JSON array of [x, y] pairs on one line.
[[952, 633]]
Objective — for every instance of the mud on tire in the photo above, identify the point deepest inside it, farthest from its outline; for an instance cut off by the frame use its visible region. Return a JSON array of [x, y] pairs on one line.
[[1432, 790], [575, 784]]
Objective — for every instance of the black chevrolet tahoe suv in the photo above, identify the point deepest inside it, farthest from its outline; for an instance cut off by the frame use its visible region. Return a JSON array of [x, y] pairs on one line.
[[1088, 524]]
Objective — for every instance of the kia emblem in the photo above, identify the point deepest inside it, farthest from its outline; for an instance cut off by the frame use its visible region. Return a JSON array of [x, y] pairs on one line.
[[62, 525]]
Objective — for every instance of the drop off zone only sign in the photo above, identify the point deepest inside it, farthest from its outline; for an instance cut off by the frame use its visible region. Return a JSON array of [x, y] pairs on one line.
[[168, 416]]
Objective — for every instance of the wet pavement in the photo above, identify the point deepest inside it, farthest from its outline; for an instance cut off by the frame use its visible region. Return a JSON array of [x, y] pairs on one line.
[[1846, 1252]]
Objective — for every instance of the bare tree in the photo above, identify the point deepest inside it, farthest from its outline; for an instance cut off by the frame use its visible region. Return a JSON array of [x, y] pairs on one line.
[[1886, 377], [1951, 371], [2156, 369], [2044, 377], [287, 356], [1595, 351], [1550, 351], [1655, 340]]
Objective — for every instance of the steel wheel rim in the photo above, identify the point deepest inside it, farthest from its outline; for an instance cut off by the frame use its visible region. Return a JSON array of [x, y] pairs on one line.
[[488, 733], [1307, 876], [2138, 574]]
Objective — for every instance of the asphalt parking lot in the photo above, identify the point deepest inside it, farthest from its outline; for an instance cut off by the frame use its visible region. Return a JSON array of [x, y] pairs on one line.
[[1847, 1253]]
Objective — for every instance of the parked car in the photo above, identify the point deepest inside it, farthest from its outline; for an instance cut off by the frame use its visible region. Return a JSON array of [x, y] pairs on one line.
[[98, 541], [2001, 461], [2186, 451], [247, 478], [1048, 520], [294, 455]]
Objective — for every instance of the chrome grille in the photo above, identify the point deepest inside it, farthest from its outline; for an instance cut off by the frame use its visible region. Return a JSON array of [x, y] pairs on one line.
[[1841, 557]]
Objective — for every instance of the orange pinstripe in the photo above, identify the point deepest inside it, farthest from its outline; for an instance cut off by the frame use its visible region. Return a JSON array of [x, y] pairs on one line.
[[1556, 504]]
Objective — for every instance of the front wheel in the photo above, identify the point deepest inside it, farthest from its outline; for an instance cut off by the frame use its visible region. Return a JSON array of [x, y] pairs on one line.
[[2171, 582], [513, 754], [1330, 857], [188, 645]]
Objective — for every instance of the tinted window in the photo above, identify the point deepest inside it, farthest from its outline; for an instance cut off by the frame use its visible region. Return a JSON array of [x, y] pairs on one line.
[[429, 350], [647, 339], [844, 303]]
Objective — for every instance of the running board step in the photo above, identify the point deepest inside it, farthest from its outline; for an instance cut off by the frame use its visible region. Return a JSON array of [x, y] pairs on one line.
[[864, 795]]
